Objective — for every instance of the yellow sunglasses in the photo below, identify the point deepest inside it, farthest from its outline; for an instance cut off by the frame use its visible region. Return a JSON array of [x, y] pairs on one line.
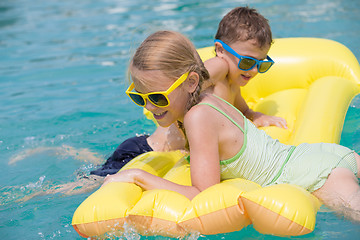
[[159, 99]]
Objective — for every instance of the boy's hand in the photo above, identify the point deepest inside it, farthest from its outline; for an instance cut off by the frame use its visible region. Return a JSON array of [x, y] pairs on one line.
[[262, 120]]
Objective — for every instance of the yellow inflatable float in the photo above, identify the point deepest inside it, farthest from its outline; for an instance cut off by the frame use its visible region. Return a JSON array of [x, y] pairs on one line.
[[311, 86]]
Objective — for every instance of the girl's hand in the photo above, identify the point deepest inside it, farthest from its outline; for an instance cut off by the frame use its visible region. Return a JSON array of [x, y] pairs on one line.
[[262, 120], [123, 176]]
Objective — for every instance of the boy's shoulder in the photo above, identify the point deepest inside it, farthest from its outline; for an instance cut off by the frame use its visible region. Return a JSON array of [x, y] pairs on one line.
[[217, 67], [216, 62]]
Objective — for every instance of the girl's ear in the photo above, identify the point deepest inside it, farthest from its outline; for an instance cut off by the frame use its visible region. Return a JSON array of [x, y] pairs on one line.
[[219, 49], [192, 82]]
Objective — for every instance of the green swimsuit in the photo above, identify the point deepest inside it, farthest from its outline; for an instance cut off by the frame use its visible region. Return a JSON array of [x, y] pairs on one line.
[[266, 161]]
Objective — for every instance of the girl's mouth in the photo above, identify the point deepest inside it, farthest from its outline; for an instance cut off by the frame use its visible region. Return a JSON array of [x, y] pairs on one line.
[[160, 115]]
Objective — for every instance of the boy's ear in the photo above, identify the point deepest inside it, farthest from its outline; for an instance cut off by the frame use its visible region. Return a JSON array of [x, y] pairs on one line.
[[192, 82], [219, 49]]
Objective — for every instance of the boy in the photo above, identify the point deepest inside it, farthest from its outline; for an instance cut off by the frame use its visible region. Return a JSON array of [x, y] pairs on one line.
[[243, 38]]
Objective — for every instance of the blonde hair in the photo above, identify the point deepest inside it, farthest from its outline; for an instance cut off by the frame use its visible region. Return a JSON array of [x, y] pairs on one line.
[[173, 54]]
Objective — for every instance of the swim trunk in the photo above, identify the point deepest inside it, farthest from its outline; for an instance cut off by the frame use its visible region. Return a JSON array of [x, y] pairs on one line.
[[125, 152], [310, 164]]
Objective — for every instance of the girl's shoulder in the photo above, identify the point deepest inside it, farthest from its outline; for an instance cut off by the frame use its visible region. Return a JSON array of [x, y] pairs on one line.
[[201, 112], [200, 120], [197, 113]]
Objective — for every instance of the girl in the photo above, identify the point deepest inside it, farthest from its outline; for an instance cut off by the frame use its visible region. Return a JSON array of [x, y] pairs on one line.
[[167, 75]]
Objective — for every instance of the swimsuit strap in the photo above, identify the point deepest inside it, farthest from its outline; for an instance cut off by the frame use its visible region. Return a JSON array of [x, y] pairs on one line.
[[228, 161], [228, 117], [230, 105], [237, 156]]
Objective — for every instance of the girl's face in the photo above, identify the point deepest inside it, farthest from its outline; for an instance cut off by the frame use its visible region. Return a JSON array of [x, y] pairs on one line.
[[247, 48], [156, 81]]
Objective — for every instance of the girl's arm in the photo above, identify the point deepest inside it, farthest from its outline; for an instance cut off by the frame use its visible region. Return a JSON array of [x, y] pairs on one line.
[[204, 162], [148, 181], [203, 135]]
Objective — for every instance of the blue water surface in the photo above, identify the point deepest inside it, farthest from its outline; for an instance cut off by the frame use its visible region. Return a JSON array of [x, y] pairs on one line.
[[62, 81]]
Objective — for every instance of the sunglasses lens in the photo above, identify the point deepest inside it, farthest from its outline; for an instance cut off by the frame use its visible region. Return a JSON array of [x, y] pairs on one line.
[[158, 99], [246, 64], [139, 100], [264, 66]]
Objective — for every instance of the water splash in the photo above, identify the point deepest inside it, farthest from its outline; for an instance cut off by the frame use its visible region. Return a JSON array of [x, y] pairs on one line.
[[9, 194], [128, 232], [35, 185]]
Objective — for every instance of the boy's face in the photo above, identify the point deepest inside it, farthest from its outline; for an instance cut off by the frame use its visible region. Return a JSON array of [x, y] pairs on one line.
[[248, 48]]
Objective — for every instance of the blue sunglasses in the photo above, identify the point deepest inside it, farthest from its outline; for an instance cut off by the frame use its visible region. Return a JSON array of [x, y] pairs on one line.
[[248, 63]]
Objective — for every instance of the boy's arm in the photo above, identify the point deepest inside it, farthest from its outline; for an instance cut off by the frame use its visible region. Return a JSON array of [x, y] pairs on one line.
[[258, 118], [218, 70], [240, 104]]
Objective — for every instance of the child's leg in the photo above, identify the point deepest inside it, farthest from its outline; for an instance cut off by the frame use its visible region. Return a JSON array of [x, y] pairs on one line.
[[80, 186], [341, 192], [82, 154], [28, 152]]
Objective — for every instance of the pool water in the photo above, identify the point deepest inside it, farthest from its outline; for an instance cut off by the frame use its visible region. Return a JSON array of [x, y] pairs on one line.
[[62, 80]]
